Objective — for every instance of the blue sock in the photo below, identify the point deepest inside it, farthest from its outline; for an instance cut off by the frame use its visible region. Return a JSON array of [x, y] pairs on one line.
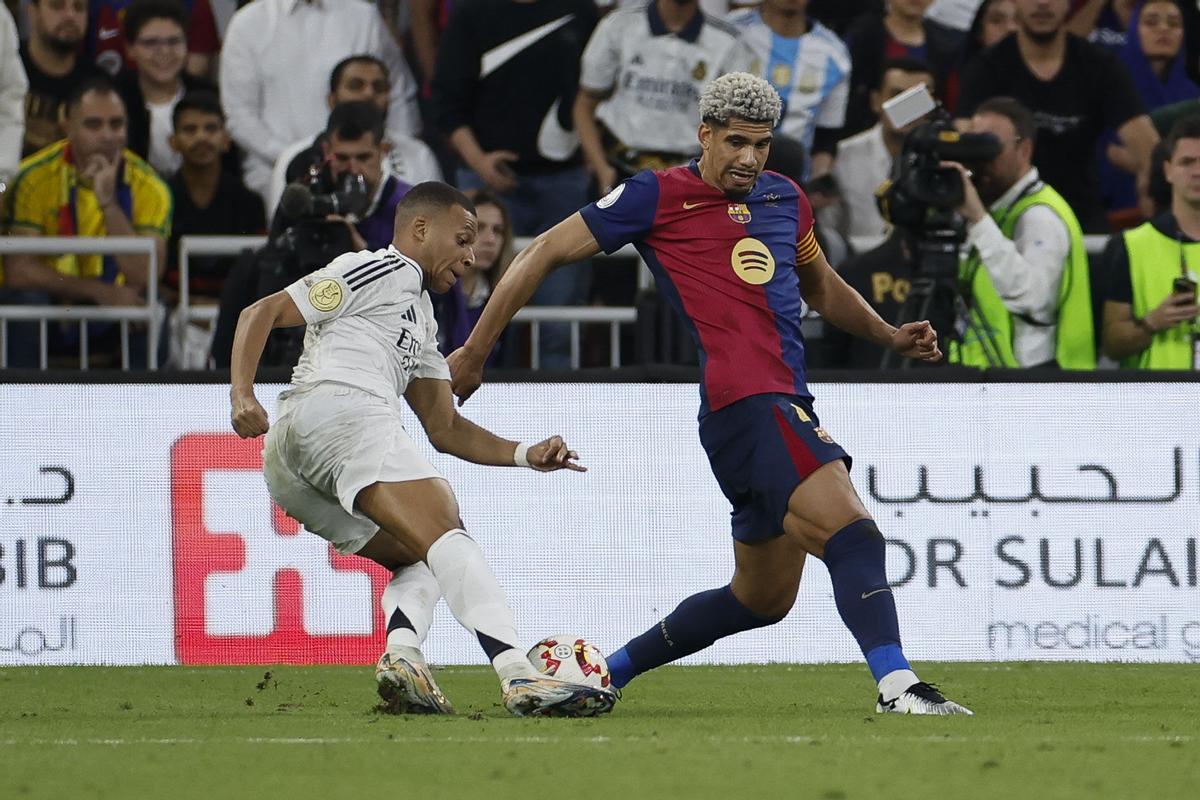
[[855, 559], [696, 623]]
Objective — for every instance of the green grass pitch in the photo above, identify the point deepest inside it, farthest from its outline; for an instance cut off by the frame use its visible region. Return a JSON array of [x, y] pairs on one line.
[[1040, 731]]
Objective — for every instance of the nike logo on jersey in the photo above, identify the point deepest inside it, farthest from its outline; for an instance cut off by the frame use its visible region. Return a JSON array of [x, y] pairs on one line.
[[689, 206], [501, 54], [865, 595], [107, 33]]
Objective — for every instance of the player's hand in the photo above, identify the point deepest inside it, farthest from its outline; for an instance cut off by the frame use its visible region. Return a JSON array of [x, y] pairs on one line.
[[553, 454], [249, 418], [466, 374], [917, 340], [494, 168]]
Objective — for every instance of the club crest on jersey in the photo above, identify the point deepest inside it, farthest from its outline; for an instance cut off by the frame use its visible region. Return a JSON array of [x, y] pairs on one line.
[[739, 212], [325, 295], [700, 71], [752, 261], [781, 76]]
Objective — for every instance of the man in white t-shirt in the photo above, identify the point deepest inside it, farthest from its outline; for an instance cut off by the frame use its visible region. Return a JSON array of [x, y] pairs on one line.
[[274, 70], [339, 460], [640, 78]]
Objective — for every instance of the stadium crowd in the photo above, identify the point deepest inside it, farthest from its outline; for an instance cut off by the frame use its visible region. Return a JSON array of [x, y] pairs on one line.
[[171, 118]]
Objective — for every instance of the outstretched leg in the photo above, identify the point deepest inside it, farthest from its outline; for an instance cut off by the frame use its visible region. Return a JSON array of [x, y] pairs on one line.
[[765, 581], [423, 516]]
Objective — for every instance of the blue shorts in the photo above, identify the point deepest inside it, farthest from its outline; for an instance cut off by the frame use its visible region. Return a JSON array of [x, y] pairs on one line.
[[760, 449]]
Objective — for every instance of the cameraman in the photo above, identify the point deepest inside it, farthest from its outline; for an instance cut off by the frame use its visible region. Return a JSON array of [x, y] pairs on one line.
[[353, 146], [1150, 303], [1025, 278]]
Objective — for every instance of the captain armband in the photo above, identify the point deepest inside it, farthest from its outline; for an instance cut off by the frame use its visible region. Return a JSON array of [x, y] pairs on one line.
[[807, 249]]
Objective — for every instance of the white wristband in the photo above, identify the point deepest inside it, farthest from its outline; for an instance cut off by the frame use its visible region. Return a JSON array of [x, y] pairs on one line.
[[521, 455]]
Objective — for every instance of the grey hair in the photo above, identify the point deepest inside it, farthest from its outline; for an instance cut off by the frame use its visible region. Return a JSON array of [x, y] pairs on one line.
[[741, 95]]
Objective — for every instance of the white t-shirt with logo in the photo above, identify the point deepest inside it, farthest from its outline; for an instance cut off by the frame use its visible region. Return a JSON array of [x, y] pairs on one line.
[[656, 81], [370, 324]]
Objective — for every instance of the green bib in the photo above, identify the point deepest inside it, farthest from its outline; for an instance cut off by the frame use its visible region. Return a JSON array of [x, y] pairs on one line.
[[1153, 267], [1075, 344]]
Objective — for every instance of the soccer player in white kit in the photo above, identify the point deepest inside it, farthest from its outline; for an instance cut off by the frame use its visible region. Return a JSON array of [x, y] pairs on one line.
[[339, 460]]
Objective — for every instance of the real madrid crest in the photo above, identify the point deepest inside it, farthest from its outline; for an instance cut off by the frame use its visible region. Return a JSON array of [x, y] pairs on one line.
[[700, 71], [739, 212]]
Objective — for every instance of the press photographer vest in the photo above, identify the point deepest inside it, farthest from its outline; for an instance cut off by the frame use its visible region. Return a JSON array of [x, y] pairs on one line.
[[1075, 344], [1153, 266]]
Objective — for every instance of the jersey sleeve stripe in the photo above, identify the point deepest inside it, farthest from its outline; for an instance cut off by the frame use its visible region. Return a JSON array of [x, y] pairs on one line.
[[361, 268], [360, 276], [384, 270]]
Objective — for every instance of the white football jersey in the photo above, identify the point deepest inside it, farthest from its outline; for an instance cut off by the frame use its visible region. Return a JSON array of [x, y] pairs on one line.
[[370, 324]]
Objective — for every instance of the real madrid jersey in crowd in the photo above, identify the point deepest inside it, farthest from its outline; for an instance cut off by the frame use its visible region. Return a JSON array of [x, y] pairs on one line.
[[810, 72], [655, 77], [727, 266], [370, 324]]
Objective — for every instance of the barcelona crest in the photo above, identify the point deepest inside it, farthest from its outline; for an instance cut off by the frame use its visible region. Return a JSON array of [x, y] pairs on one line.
[[739, 212]]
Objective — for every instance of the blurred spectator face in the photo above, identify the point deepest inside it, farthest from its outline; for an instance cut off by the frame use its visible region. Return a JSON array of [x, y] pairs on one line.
[[160, 50], [1183, 171], [60, 24], [362, 156], [999, 20], [490, 239], [1160, 29], [786, 6], [893, 83], [1041, 20], [362, 80], [994, 179], [200, 137], [97, 126], [910, 8]]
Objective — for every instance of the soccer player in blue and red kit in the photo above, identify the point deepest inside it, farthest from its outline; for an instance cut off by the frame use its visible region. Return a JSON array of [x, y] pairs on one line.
[[732, 248]]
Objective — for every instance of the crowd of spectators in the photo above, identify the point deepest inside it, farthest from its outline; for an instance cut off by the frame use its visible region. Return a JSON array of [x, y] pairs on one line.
[[170, 118]]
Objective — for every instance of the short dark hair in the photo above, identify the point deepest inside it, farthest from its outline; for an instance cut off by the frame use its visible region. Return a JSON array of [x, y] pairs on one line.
[[904, 64], [202, 100], [1020, 116], [430, 196], [139, 12], [335, 77], [354, 119], [101, 84], [1184, 128]]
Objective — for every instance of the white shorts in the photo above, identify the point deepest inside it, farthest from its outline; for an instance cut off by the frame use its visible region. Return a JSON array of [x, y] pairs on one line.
[[329, 443]]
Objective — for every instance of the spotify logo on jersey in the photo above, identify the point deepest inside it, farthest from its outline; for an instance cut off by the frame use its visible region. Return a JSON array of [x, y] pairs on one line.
[[752, 261]]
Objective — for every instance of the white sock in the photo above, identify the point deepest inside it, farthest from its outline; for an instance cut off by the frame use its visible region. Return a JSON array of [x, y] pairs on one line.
[[896, 682], [477, 601], [415, 592]]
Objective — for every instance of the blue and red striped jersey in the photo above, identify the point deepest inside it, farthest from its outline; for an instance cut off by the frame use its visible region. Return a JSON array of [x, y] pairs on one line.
[[728, 267]]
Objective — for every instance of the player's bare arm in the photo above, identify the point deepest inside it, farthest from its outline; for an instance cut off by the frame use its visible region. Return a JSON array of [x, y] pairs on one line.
[[254, 326], [837, 303], [454, 434], [568, 241]]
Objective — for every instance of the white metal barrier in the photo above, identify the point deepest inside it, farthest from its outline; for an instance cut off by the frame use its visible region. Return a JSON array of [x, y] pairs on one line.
[[534, 316], [150, 314]]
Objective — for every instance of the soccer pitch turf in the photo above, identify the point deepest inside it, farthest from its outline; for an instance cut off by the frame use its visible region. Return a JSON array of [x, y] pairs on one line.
[[1040, 731]]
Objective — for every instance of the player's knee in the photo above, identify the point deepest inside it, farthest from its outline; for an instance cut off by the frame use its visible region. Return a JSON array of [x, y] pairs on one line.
[[769, 604]]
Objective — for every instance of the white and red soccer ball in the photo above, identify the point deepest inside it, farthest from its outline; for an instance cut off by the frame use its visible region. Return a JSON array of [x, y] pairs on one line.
[[571, 658]]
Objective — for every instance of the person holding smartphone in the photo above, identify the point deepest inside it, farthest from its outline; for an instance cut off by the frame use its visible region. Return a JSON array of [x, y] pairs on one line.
[[1150, 303]]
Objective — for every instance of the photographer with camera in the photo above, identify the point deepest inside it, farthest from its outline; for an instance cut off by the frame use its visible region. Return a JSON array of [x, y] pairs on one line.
[[1150, 300], [345, 204], [1025, 278]]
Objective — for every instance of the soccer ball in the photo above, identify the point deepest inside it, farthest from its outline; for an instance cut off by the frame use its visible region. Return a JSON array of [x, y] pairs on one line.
[[572, 659]]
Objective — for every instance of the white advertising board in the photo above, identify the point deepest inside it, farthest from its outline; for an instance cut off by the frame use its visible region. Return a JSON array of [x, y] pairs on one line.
[[1024, 521]]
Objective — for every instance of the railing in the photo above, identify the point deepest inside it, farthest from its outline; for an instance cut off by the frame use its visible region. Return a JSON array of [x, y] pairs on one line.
[[190, 246], [534, 316], [150, 314]]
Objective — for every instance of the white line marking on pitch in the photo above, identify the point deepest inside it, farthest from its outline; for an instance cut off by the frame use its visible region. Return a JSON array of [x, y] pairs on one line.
[[290, 740]]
